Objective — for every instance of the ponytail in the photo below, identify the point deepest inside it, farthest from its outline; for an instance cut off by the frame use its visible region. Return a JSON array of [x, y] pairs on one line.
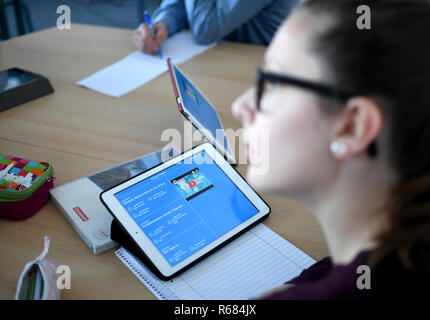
[[409, 221]]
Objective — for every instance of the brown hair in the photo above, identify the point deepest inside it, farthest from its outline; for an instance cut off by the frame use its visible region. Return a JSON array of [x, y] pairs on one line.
[[391, 63]]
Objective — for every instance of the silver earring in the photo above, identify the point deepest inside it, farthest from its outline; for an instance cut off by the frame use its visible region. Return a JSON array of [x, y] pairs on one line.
[[338, 148]]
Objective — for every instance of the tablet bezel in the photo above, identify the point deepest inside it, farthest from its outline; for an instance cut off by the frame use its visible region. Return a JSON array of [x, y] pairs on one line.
[[190, 117], [158, 263]]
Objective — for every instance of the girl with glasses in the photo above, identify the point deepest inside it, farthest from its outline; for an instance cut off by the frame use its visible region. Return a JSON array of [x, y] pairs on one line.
[[347, 114]]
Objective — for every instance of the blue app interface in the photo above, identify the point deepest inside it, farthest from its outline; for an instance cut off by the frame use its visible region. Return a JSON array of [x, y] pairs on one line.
[[201, 109], [187, 206]]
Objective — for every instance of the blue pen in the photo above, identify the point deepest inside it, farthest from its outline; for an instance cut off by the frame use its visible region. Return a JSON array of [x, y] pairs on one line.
[[149, 23]]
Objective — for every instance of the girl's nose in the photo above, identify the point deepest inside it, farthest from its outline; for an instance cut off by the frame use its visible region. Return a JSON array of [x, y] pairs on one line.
[[243, 108]]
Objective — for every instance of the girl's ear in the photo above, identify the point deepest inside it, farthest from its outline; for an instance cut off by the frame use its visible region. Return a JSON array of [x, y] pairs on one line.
[[357, 127]]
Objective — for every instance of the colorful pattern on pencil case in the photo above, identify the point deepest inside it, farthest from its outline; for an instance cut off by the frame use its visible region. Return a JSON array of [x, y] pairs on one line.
[[21, 168]]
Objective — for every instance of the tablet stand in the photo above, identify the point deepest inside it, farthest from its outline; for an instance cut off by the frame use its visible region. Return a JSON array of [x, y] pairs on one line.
[[118, 235]]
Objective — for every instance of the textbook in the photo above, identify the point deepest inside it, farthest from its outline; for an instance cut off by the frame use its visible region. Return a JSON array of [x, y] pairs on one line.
[[79, 201], [257, 261]]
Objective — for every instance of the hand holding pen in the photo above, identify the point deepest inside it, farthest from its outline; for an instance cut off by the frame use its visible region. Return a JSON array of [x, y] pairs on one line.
[[146, 42]]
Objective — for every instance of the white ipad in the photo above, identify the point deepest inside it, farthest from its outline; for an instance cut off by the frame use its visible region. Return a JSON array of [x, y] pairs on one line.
[[184, 209], [197, 109]]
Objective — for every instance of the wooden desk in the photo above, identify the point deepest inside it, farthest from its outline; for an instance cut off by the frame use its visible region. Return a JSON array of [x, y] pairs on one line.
[[80, 131]]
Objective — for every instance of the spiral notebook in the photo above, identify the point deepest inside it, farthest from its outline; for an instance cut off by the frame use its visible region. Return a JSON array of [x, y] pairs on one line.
[[257, 261]]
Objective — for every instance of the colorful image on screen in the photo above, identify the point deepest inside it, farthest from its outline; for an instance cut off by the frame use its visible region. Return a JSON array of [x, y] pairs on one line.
[[190, 92], [192, 183]]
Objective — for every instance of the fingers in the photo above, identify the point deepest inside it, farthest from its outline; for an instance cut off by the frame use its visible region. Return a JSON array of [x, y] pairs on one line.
[[161, 32], [142, 38]]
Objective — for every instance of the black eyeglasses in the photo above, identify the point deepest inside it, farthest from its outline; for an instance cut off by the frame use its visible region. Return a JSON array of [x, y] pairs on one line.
[[329, 91], [263, 77]]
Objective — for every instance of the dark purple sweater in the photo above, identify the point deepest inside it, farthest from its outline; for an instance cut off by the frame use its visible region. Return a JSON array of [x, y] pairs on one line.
[[323, 280]]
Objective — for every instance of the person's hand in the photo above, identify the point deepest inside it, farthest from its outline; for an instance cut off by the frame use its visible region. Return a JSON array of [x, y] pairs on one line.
[[143, 40]]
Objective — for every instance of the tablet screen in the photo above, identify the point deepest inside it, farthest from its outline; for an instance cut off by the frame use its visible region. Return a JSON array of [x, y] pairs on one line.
[[179, 208], [201, 109]]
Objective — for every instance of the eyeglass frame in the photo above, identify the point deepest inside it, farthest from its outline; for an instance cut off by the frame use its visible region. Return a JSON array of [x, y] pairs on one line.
[[325, 90], [322, 89]]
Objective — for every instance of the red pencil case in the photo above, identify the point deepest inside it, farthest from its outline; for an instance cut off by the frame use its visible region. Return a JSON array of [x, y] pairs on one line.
[[24, 186]]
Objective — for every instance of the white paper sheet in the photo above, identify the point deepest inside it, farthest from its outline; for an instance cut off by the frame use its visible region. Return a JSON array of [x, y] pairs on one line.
[[138, 68], [257, 261]]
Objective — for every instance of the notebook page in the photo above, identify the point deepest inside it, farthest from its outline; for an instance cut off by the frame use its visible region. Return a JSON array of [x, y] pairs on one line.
[[257, 261], [139, 68], [182, 47], [144, 275], [123, 76]]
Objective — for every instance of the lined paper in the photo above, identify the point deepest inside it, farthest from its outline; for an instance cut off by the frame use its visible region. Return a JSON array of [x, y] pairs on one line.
[[138, 68], [257, 261]]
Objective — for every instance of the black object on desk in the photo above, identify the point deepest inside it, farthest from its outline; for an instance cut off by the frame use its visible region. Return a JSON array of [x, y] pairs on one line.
[[18, 86], [121, 237]]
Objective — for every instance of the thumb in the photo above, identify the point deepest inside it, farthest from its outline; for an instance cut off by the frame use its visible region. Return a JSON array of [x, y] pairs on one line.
[[160, 33], [159, 38]]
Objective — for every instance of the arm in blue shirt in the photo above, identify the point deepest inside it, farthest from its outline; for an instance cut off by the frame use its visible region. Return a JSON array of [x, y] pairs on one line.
[[173, 14], [209, 20]]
